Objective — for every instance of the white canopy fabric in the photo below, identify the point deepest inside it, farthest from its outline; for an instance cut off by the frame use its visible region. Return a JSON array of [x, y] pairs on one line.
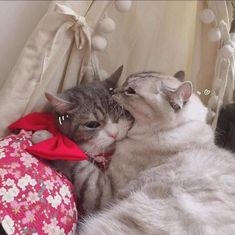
[[224, 72], [165, 36]]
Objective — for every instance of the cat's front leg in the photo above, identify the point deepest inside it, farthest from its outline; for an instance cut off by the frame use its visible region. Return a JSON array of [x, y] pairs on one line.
[[125, 217], [93, 186], [110, 222]]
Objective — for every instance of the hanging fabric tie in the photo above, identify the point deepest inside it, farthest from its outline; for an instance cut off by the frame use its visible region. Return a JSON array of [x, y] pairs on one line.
[[81, 34], [80, 27], [76, 23]]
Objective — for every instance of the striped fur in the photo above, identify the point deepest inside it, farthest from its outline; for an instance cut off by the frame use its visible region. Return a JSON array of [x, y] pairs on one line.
[[83, 104]]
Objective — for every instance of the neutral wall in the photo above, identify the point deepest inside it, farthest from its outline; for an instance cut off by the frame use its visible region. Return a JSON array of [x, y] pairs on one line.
[[18, 20]]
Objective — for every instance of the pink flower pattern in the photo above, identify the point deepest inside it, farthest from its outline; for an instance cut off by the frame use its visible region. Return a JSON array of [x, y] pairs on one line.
[[33, 197]]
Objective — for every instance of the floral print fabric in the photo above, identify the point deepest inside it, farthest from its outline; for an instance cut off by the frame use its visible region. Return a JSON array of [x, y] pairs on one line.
[[34, 198]]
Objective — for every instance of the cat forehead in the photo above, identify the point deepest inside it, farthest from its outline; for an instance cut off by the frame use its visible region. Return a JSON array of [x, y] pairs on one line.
[[96, 109], [143, 75], [152, 81], [87, 96], [89, 111]]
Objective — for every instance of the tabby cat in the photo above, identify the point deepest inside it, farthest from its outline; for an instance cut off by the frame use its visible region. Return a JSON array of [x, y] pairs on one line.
[[89, 116]]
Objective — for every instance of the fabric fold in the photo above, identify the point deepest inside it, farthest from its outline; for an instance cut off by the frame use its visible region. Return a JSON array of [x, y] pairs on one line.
[[61, 41]]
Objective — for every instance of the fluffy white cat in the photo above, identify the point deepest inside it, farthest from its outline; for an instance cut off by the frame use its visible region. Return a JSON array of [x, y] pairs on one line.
[[168, 177]]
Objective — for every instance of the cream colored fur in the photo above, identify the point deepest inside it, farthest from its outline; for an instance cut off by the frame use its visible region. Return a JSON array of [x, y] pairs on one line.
[[168, 176]]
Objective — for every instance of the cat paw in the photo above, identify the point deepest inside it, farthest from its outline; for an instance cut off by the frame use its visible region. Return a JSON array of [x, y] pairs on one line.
[[39, 136]]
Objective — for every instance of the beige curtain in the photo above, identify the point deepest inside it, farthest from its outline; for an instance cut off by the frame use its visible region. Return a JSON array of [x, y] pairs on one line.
[[166, 36], [51, 61]]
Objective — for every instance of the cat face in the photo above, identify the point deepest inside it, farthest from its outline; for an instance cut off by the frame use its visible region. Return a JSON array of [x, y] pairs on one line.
[[89, 115], [151, 96]]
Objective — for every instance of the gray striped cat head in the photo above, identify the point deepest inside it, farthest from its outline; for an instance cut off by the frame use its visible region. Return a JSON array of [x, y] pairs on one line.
[[89, 115]]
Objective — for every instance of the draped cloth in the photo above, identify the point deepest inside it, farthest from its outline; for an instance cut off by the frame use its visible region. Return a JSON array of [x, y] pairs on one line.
[[52, 59], [223, 80], [166, 36]]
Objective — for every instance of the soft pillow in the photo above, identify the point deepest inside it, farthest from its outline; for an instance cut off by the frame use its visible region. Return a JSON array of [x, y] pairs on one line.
[[34, 198]]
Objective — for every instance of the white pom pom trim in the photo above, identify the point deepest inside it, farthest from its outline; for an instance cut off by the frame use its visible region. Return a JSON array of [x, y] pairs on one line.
[[214, 35], [123, 6], [226, 51], [98, 43], [207, 16], [106, 25]]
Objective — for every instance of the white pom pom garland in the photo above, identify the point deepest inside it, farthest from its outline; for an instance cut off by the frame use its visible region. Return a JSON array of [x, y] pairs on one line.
[[207, 16], [106, 25], [214, 35], [226, 51], [98, 43], [122, 6]]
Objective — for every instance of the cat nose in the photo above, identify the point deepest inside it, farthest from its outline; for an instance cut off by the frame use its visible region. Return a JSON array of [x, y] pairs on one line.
[[113, 135]]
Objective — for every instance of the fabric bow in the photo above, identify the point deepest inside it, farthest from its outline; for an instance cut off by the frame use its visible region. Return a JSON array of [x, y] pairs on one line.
[[58, 147], [80, 27]]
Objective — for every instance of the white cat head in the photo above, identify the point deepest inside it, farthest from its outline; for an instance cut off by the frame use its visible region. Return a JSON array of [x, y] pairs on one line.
[[161, 100]]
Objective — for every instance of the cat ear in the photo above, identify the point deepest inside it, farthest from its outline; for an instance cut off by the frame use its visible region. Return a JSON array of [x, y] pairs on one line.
[[180, 75], [177, 98], [114, 78], [60, 105]]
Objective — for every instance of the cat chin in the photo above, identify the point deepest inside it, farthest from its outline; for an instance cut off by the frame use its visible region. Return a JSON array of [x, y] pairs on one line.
[[93, 149]]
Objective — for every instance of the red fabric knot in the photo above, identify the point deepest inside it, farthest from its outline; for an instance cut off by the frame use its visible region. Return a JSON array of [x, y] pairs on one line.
[[59, 147]]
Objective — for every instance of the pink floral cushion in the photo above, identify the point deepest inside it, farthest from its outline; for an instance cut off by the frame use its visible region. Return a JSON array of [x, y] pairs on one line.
[[34, 198]]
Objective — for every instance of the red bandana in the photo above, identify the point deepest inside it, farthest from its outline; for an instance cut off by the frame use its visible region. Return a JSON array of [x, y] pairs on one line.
[[57, 147]]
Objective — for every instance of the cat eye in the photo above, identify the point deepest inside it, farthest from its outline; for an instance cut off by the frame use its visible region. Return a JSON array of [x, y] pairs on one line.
[[92, 125], [130, 91]]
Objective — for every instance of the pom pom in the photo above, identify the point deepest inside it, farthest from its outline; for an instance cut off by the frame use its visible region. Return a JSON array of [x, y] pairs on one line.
[[122, 6], [231, 43], [226, 51], [214, 35], [207, 16], [98, 43], [106, 25]]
